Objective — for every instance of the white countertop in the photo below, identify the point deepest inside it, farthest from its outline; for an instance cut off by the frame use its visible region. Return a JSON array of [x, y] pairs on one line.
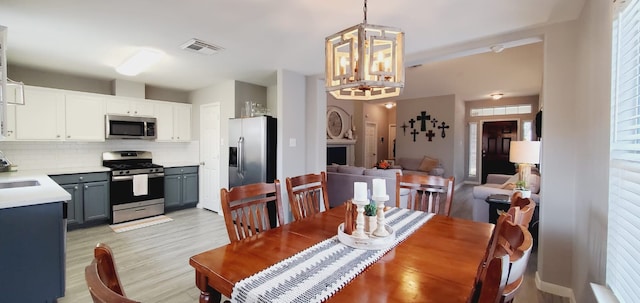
[[48, 191], [178, 164]]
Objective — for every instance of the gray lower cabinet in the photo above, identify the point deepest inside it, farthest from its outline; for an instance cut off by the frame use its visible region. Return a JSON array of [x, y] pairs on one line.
[[32, 253], [89, 202], [180, 187]]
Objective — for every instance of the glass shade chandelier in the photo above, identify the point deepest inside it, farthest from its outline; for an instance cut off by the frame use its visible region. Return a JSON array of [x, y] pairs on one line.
[[365, 62]]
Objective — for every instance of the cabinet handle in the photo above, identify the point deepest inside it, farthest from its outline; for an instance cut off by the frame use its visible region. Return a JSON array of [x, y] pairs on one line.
[[86, 186], [81, 178], [68, 137], [128, 112], [57, 136], [135, 113], [178, 178], [75, 187]]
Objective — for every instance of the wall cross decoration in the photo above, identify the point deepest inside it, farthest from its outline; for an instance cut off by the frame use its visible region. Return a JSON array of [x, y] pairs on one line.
[[443, 127], [430, 135], [414, 133], [434, 121], [404, 128], [412, 122], [423, 118]]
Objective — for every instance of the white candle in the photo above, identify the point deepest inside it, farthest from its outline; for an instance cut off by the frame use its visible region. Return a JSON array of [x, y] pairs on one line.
[[379, 188], [360, 191]]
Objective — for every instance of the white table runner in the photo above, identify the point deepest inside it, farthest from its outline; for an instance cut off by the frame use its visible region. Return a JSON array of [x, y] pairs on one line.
[[316, 273]]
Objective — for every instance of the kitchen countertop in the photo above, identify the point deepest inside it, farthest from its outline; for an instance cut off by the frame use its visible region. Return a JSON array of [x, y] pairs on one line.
[[178, 164], [48, 191]]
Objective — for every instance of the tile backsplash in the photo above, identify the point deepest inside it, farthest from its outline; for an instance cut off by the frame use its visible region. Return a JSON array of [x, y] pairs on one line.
[[57, 155]]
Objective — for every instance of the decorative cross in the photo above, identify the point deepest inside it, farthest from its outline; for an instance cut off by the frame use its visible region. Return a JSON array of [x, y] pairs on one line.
[[424, 118], [404, 128], [434, 121], [414, 133], [442, 127], [430, 135], [411, 122]]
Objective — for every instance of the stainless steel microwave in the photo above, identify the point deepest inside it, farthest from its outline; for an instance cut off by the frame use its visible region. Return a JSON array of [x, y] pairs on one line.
[[128, 127]]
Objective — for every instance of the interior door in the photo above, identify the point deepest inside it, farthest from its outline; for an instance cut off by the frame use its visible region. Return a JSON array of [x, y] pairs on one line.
[[371, 148], [496, 142], [210, 157], [391, 154]]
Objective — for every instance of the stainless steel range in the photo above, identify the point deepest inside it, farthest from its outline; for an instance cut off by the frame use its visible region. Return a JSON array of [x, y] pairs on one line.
[[137, 185]]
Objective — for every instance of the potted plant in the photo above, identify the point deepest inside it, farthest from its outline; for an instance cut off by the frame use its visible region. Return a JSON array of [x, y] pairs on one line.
[[370, 218], [521, 186]]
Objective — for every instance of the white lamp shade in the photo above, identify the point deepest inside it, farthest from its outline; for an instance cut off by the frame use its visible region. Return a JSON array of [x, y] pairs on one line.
[[525, 152]]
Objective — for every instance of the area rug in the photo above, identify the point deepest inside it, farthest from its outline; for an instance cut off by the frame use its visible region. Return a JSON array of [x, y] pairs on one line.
[[131, 225]]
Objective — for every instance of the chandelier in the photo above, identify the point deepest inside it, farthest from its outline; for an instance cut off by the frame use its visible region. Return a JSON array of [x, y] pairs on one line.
[[365, 62]]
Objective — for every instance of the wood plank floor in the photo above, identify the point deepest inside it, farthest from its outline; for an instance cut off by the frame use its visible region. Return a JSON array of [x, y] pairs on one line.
[[153, 262]]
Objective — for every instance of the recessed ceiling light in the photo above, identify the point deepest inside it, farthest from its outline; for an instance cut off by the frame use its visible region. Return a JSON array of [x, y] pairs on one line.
[[139, 62], [496, 96], [496, 48], [388, 105]]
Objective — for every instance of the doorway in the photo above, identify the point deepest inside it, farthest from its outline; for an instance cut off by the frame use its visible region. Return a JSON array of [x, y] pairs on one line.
[[391, 153], [496, 142], [371, 145]]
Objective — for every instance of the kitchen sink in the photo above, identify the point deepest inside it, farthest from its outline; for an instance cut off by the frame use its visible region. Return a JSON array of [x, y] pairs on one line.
[[17, 184]]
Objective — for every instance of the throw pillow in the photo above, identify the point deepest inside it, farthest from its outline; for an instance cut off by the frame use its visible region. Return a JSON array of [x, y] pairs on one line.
[[511, 183], [428, 164]]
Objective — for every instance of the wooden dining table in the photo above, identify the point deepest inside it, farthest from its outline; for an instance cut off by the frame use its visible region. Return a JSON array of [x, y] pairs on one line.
[[437, 263]]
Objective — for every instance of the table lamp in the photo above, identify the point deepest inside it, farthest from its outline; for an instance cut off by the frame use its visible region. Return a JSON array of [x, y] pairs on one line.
[[525, 153]]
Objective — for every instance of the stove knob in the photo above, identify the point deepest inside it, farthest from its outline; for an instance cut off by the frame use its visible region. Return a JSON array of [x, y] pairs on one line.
[[127, 172]]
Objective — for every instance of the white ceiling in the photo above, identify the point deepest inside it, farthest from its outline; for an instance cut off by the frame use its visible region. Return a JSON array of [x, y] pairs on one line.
[[90, 38]]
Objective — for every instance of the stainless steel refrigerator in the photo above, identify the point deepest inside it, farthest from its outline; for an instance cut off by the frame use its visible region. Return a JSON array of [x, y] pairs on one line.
[[252, 152]]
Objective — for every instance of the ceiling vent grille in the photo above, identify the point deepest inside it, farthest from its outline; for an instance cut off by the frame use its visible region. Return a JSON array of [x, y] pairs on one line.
[[201, 47]]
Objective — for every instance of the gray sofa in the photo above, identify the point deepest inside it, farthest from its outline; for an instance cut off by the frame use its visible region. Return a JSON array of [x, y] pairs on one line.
[[340, 180], [496, 185], [412, 165]]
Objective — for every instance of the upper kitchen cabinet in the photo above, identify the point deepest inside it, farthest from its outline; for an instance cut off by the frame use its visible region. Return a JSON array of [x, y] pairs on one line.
[[174, 121], [42, 117], [84, 117], [129, 107]]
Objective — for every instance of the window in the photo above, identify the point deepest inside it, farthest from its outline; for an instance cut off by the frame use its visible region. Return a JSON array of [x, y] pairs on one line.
[[527, 133], [501, 110], [473, 148], [623, 244]]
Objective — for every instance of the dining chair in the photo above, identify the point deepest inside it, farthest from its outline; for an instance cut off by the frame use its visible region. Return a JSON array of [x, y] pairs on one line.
[[306, 193], [521, 209], [492, 285], [246, 209], [426, 193], [102, 277]]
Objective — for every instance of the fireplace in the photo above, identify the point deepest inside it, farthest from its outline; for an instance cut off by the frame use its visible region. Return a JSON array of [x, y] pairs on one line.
[[337, 155]]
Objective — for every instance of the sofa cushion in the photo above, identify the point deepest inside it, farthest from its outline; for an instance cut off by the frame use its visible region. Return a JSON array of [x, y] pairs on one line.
[[353, 170], [410, 163], [428, 164], [332, 168], [389, 173]]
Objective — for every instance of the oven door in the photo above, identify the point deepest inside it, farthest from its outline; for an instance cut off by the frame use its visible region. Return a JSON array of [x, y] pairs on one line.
[[122, 189]]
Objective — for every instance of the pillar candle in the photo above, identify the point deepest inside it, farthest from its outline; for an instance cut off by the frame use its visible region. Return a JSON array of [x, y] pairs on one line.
[[360, 191], [379, 188]]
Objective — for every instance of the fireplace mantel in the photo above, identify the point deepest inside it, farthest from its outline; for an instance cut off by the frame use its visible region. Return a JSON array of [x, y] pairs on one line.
[[341, 142]]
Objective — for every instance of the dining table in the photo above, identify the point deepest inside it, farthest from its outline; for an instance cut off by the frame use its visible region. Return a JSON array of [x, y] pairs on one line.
[[438, 262]]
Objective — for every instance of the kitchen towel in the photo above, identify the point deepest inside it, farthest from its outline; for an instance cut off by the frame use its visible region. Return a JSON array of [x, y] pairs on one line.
[[140, 185]]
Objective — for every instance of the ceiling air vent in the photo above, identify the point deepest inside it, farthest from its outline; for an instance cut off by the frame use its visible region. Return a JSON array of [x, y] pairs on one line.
[[201, 47]]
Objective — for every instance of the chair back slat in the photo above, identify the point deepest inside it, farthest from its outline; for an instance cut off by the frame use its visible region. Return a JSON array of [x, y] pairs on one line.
[[432, 194], [246, 211], [306, 194]]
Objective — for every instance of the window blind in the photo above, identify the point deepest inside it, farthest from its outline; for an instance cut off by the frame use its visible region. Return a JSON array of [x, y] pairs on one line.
[[623, 244]]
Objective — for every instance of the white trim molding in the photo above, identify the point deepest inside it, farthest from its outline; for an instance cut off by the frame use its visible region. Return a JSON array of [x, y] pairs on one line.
[[555, 289], [603, 294]]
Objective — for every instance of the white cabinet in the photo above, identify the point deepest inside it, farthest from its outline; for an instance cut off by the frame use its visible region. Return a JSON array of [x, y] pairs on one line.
[[174, 121], [51, 114], [84, 117], [129, 107], [10, 124], [42, 117]]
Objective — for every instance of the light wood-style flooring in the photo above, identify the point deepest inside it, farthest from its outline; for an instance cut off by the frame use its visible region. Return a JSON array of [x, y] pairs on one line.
[[153, 262]]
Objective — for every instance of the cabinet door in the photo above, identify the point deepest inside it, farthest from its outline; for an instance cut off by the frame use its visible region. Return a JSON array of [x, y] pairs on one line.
[[143, 108], [172, 190], [42, 116], [96, 201], [190, 188], [118, 107], [74, 206], [84, 117], [182, 122], [11, 123], [164, 116]]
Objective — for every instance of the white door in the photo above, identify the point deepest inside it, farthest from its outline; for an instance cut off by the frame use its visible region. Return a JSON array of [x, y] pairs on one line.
[[391, 141], [210, 157], [371, 146]]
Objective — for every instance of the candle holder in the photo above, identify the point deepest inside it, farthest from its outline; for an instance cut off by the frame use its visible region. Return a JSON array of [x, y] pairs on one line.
[[359, 232], [381, 231]]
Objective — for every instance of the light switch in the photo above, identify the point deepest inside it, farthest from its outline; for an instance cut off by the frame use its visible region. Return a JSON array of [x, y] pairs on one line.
[[292, 142]]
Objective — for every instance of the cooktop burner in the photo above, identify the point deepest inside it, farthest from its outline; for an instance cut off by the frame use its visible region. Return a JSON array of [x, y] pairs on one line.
[[130, 162]]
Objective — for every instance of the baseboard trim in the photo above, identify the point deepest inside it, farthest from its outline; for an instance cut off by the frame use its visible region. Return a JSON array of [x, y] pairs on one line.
[[555, 289]]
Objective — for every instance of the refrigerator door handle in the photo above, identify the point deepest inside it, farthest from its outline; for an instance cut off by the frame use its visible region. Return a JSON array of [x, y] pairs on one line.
[[240, 157]]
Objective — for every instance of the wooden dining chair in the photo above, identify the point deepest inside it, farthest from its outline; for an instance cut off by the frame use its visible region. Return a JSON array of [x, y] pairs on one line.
[[102, 277], [426, 193], [246, 209], [491, 287], [521, 209], [306, 193]]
